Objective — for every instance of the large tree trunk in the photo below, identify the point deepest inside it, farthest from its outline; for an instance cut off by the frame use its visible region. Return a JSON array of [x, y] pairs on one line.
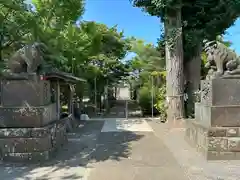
[[192, 71], [174, 65]]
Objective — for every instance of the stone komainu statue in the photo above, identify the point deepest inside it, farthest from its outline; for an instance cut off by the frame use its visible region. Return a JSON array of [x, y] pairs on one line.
[[221, 59], [27, 59]]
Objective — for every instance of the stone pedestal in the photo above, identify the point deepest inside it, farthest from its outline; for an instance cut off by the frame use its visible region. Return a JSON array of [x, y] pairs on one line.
[[215, 131], [18, 117], [26, 103], [25, 92], [29, 128]]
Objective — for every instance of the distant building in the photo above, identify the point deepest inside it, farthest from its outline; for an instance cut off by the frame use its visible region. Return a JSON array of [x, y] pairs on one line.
[[122, 91]]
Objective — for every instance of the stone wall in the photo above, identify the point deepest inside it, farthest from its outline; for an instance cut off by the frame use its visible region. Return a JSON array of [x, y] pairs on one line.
[[215, 143]]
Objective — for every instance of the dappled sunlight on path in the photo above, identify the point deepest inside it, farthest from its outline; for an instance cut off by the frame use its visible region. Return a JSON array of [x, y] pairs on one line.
[[133, 124], [97, 150]]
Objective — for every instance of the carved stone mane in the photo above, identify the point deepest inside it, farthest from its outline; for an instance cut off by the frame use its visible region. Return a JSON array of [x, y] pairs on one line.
[[220, 59], [27, 59]]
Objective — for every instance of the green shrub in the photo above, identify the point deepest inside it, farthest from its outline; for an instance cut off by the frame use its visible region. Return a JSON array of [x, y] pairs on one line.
[[161, 102], [145, 100]]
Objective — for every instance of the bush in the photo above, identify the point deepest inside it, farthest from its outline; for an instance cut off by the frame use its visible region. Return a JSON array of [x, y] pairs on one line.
[[161, 105], [145, 100]]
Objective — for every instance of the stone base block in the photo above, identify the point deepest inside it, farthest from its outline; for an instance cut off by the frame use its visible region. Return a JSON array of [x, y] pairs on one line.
[[17, 93], [32, 144], [19, 117], [219, 92], [215, 143], [219, 116]]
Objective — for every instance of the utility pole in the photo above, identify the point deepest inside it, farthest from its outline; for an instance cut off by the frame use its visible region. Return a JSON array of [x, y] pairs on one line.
[[152, 94], [95, 94], [107, 100]]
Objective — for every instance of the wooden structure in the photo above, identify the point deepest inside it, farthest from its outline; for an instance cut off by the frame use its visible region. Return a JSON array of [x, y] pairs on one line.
[[61, 79]]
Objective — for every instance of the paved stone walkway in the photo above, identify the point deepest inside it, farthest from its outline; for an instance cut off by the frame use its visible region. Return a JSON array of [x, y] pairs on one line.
[[129, 150], [193, 163], [125, 150]]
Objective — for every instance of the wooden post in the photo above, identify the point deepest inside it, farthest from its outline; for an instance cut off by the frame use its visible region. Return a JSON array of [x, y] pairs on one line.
[[70, 101], [58, 99], [1, 92]]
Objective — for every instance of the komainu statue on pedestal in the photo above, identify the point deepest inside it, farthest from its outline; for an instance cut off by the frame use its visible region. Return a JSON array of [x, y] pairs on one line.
[[221, 61], [27, 59]]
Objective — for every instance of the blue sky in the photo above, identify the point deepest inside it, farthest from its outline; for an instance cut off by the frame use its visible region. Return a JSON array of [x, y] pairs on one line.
[[233, 35], [132, 20], [136, 23]]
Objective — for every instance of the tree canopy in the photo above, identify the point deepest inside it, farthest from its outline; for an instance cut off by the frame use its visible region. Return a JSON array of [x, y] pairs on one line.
[[147, 62], [187, 23], [95, 51], [86, 49], [200, 19]]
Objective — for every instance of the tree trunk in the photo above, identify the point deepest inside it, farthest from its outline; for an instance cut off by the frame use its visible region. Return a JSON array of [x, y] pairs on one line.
[[192, 71], [174, 65]]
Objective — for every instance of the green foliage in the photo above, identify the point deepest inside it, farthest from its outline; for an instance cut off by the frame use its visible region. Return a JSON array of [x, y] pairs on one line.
[[147, 62], [90, 50], [148, 65], [145, 99], [204, 71], [161, 45], [206, 20], [53, 10], [156, 7], [200, 19], [14, 18], [161, 102], [159, 97]]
